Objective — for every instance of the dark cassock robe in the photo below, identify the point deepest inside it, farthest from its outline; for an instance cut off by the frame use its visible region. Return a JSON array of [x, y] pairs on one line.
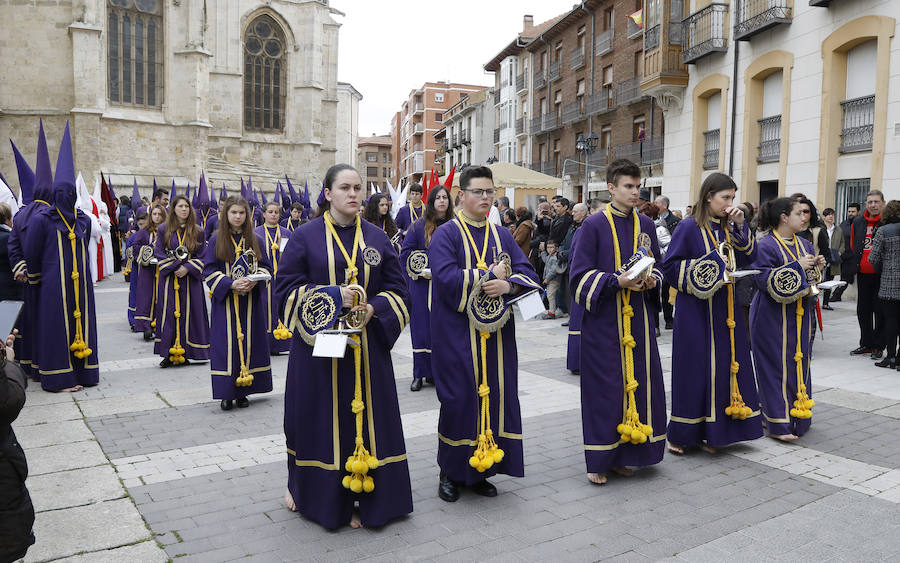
[[144, 275], [132, 280], [604, 401], [204, 214], [454, 273], [290, 224], [774, 325], [408, 215], [28, 318], [211, 225], [270, 237], [413, 258], [702, 349], [193, 325], [319, 425], [225, 354], [573, 351], [48, 257]]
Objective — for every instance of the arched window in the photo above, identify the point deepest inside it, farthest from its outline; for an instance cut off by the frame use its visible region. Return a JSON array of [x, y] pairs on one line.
[[264, 75], [134, 43]]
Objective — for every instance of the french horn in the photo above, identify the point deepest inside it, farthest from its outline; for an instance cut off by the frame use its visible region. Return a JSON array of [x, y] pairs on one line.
[[726, 251]]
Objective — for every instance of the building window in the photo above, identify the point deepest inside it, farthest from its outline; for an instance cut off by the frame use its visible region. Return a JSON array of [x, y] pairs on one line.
[[384, 172], [439, 96], [371, 171], [264, 75], [386, 158], [605, 137], [371, 157], [439, 117], [637, 128], [134, 43]]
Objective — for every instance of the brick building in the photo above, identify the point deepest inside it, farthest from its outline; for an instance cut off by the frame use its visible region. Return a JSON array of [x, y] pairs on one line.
[[414, 126], [374, 160]]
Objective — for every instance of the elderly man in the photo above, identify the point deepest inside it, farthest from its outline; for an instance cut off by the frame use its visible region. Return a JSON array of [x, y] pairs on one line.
[[576, 312], [868, 280]]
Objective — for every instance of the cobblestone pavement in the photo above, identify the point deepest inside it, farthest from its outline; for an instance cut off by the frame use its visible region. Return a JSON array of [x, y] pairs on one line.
[[146, 467]]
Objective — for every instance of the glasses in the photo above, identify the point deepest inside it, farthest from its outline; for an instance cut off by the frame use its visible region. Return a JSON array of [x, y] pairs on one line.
[[482, 193]]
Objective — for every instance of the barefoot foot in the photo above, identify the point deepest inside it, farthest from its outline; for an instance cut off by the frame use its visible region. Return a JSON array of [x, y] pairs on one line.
[[623, 471], [677, 450], [355, 522], [784, 437], [708, 449], [70, 389], [289, 501], [597, 478]]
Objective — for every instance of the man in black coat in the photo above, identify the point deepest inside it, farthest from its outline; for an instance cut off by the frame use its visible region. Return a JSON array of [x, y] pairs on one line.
[[848, 264], [16, 510], [559, 228]]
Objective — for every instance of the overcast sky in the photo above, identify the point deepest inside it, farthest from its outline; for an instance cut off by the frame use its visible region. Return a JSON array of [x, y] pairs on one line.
[[389, 47]]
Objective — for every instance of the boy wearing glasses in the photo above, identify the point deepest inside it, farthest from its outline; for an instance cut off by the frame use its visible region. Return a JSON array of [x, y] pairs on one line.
[[476, 267]]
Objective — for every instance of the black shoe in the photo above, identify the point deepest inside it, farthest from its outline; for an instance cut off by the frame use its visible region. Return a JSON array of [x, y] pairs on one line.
[[860, 351], [565, 324], [484, 489], [243, 403], [148, 335], [447, 489], [887, 362], [575, 371], [876, 354], [429, 380], [416, 384], [226, 404], [827, 308], [668, 325], [836, 300], [165, 363]]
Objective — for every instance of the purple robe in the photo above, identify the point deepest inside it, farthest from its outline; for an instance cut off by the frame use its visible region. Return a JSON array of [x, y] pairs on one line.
[[48, 240], [275, 235], [290, 224], [594, 283], [144, 276], [194, 321], [225, 360], [573, 350], [454, 273], [204, 216], [319, 426], [773, 322], [211, 225], [701, 343], [407, 216], [420, 299], [132, 284]]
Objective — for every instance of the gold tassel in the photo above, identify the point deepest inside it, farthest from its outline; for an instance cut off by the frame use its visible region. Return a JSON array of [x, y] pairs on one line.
[[361, 462], [487, 453], [803, 404]]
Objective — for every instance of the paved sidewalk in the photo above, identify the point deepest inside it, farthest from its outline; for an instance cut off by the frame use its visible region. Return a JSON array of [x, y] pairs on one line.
[[146, 467]]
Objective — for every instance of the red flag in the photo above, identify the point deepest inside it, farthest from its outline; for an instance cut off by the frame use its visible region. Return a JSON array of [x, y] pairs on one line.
[[448, 182], [109, 200]]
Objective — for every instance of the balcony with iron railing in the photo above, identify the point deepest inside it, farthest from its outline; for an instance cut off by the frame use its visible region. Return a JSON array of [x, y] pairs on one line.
[[633, 29], [456, 142], [629, 91], [540, 79], [858, 124], [520, 126], [604, 42], [756, 16], [554, 71], [769, 139], [711, 149], [496, 136], [602, 101], [663, 74], [504, 83], [520, 83], [549, 167], [600, 158], [649, 151], [706, 32], [574, 111], [577, 58], [419, 128], [550, 121], [465, 137], [536, 124], [497, 97], [651, 38], [419, 107]]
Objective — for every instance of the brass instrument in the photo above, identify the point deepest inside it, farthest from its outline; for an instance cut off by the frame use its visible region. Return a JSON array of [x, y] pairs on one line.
[[180, 253], [395, 240], [814, 277], [726, 251], [354, 320]]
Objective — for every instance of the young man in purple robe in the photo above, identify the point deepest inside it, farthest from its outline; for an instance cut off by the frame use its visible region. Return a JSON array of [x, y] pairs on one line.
[[412, 211], [144, 269], [271, 235], [623, 404], [239, 347], [781, 318], [346, 455], [295, 219], [414, 258], [714, 397], [475, 268], [182, 324], [56, 255]]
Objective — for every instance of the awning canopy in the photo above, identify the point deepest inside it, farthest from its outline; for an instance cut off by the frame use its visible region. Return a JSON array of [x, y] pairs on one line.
[[508, 175]]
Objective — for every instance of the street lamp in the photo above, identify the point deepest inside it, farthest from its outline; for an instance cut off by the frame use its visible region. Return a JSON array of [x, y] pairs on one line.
[[586, 146]]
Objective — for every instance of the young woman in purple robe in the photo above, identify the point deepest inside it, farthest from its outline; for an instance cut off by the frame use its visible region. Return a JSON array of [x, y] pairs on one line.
[[714, 397], [239, 346], [145, 270], [378, 212], [414, 258], [182, 325], [781, 318], [272, 235], [480, 425], [345, 451], [623, 403]]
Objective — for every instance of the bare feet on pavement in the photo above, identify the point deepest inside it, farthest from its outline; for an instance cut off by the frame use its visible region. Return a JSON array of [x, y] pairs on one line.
[[784, 437], [623, 471], [677, 450], [597, 478], [289, 501], [355, 522], [707, 449]]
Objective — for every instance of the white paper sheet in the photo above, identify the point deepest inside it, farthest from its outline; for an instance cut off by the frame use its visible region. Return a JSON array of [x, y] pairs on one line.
[[529, 304], [642, 265], [738, 274], [330, 345], [831, 284], [259, 276]]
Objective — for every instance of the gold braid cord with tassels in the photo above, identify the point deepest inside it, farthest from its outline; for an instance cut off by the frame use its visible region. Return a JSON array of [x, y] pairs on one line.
[[487, 453], [281, 332], [244, 378], [79, 347], [631, 429], [737, 409], [176, 352], [155, 287], [361, 461]]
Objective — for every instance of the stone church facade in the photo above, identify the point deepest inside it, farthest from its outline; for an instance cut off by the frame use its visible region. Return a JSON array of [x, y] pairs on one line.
[[167, 88]]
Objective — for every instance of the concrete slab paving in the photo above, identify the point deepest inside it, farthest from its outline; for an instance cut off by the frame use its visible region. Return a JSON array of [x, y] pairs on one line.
[[50, 459], [118, 405], [855, 400], [144, 552], [52, 433], [76, 487], [42, 414]]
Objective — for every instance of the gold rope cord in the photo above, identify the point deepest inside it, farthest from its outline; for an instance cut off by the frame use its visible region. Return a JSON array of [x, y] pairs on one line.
[[176, 352], [244, 378], [360, 461], [79, 347], [281, 332], [155, 287]]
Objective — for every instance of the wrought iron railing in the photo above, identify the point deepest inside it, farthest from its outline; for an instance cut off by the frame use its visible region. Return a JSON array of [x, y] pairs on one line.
[[754, 16], [497, 97], [496, 136], [536, 125], [711, 149], [604, 42], [629, 90], [705, 30], [651, 38], [540, 79], [858, 124], [549, 167], [573, 111], [465, 137], [554, 71], [577, 58], [769, 139], [650, 151], [520, 82], [602, 100], [520, 126], [633, 29], [550, 121]]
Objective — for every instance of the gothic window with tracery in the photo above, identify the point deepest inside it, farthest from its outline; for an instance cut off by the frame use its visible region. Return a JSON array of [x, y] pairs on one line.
[[135, 55], [264, 75]]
